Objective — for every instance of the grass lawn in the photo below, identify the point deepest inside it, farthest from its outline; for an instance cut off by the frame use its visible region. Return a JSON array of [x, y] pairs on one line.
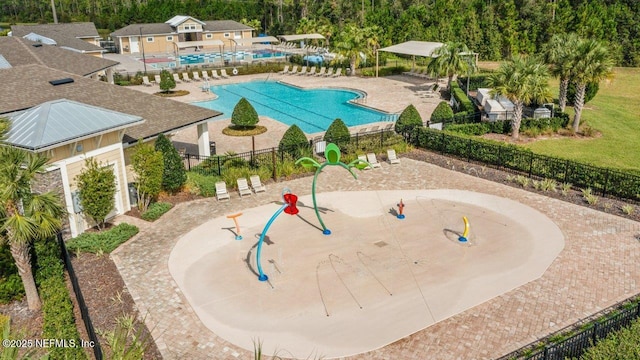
[[615, 112]]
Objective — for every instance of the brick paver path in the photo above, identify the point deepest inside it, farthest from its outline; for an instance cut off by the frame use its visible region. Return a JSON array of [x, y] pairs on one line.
[[597, 268]]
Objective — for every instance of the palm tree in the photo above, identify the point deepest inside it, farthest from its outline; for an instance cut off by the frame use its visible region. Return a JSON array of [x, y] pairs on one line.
[[560, 54], [355, 41], [592, 64], [522, 80], [25, 216], [451, 59]]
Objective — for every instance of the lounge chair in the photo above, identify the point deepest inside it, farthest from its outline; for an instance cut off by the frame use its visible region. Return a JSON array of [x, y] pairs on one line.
[[371, 158], [214, 75], [302, 71], [294, 70], [321, 146], [338, 73], [196, 76], [411, 72], [223, 73], [312, 71], [364, 158], [243, 187], [374, 128], [221, 191], [322, 71], [185, 77], [145, 81], [205, 75], [176, 78], [286, 70], [329, 72], [157, 79], [256, 184], [391, 157]]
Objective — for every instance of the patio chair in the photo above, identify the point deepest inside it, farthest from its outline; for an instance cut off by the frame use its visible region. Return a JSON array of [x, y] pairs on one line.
[[302, 71], [312, 71], [205, 75], [223, 73], [373, 160], [196, 76], [214, 75], [286, 70], [321, 72], [338, 73], [145, 81], [329, 72], [321, 146], [364, 158], [294, 70], [391, 157], [185, 77], [411, 72], [176, 78], [256, 184], [157, 79], [243, 187], [221, 191]]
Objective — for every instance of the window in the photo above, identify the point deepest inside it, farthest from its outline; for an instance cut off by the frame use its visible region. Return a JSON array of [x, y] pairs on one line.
[[192, 27], [227, 35], [209, 36], [150, 39], [169, 38], [238, 35]]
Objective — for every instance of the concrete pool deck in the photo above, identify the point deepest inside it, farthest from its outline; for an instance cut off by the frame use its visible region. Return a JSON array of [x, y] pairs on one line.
[[596, 269]]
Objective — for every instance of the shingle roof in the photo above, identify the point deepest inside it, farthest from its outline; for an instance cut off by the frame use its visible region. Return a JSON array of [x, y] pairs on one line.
[[58, 122], [225, 25], [17, 52], [164, 28], [30, 87], [66, 34]]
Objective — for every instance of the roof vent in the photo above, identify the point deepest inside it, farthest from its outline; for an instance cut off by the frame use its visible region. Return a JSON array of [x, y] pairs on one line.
[[37, 45], [61, 81]]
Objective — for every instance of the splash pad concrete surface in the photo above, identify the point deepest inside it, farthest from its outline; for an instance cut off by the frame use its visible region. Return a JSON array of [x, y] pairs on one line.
[[375, 280]]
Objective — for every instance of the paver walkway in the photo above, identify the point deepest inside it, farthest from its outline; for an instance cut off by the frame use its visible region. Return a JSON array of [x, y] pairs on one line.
[[597, 268]]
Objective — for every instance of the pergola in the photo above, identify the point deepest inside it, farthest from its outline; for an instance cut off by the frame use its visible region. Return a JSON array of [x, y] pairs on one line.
[[299, 37], [253, 40], [413, 48]]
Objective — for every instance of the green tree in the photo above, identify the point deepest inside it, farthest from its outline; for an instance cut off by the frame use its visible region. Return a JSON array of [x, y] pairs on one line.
[[409, 119], [522, 80], [451, 59], [337, 133], [356, 41], [166, 81], [174, 175], [293, 140], [442, 113], [26, 216], [244, 115], [97, 190], [148, 166], [560, 54], [593, 64]]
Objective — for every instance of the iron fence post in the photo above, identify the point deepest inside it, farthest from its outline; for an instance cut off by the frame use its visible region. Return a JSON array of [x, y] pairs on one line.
[[530, 164], [606, 181], [273, 160], [219, 168], [381, 138], [595, 333]]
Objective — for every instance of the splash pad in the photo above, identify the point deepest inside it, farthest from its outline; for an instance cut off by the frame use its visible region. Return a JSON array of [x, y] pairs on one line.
[[375, 280]]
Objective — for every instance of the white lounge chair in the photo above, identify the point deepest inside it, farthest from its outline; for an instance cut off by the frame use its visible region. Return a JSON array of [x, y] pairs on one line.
[[329, 72], [205, 75], [312, 71], [364, 158], [145, 81], [196, 76], [286, 70], [185, 77], [214, 75], [157, 79], [256, 184], [322, 71], [223, 73], [371, 158], [411, 72], [391, 157], [221, 191], [243, 187], [338, 73], [302, 71], [294, 70], [321, 146], [176, 78]]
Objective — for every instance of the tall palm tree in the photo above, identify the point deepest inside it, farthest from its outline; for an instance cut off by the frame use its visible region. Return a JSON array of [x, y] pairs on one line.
[[451, 59], [592, 64], [355, 41], [25, 216], [522, 80], [560, 54]]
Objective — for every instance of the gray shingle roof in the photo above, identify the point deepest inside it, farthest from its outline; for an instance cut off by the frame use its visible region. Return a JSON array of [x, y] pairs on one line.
[[57, 122], [67, 34], [30, 87], [164, 28], [17, 52], [225, 25]]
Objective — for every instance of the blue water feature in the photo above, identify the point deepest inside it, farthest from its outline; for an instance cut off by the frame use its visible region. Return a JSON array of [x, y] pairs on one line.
[[313, 110]]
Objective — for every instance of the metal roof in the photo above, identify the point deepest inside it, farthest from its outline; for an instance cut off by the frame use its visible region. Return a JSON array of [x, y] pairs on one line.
[[416, 48], [39, 38], [300, 37], [55, 123], [179, 19], [4, 64], [253, 40]]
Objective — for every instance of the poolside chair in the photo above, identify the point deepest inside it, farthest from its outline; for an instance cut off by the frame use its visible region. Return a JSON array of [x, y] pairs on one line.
[[157, 79], [411, 72], [364, 158], [373, 160], [322, 71], [145, 81], [286, 70], [214, 75], [176, 78], [294, 70], [374, 128], [196, 76], [302, 71], [223, 73], [391, 157], [221, 191], [243, 187], [312, 71], [329, 72], [185, 77], [338, 73], [205, 75], [256, 184], [321, 146]]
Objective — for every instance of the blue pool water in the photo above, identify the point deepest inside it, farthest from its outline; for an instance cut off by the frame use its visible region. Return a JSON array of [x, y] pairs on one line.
[[313, 110], [237, 56]]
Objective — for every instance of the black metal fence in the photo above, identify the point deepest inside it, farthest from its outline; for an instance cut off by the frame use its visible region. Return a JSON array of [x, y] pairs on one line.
[[577, 344], [84, 311], [603, 181]]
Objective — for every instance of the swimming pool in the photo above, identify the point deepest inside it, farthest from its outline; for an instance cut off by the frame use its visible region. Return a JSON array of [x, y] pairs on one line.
[[228, 55], [313, 110]]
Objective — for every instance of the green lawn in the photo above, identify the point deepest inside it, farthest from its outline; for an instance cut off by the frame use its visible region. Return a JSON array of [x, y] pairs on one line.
[[615, 112]]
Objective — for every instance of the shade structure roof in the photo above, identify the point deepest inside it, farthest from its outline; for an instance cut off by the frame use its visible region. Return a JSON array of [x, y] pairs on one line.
[[253, 40], [300, 37], [416, 48]]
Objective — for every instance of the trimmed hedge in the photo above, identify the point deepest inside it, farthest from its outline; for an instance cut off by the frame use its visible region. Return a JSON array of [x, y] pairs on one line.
[[174, 175], [244, 114], [105, 241], [156, 210], [292, 140], [11, 287], [442, 113], [408, 119], [504, 127], [337, 133], [466, 105]]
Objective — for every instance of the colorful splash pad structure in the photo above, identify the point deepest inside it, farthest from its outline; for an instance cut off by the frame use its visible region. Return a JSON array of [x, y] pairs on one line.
[[374, 281]]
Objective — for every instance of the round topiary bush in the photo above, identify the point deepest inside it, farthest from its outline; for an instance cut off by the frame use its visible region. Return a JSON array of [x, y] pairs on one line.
[[244, 115], [293, 140], [409, 119], [442, 113], [174, 174], [337, 133]]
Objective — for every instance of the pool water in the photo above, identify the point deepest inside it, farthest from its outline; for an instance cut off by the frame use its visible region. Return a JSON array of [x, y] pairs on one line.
[[230, 56], [313, 110]]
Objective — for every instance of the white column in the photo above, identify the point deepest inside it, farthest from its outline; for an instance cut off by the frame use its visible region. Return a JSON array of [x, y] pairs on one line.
[[203, 139], [110, 75]]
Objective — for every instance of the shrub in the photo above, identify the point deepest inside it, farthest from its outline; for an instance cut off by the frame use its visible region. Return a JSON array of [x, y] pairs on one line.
[[156, 210], [463, 101], [622, 344], [338, 133], [166, 81], [442, 113], [203, 185], [408, 119], [105, 241], [589, 197], [628, 209], [244, 115], [10, 283], [148, 166], [97, 189], [174, 174], [476, 129], [292, 140]]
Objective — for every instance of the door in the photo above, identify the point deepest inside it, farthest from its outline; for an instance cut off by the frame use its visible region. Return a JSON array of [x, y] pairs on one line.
[[135, 48]]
